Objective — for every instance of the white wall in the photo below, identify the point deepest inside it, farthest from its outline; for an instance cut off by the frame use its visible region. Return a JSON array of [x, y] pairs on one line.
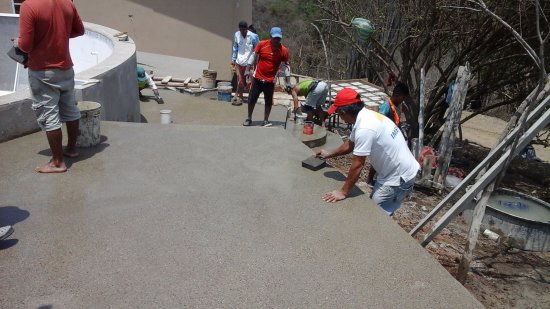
[[89, 50]]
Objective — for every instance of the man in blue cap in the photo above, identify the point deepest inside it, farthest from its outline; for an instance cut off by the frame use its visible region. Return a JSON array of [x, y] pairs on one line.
[[268, 56]]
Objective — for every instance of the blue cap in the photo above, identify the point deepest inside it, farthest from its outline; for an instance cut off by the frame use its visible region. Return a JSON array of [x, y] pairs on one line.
[[276, 32], [141, 73]]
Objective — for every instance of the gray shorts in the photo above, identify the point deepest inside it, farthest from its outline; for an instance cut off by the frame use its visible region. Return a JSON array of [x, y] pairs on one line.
[[318, 95], [53, 97]]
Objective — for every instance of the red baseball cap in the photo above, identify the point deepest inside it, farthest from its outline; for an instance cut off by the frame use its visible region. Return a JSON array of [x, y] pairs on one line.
[[346, 96]]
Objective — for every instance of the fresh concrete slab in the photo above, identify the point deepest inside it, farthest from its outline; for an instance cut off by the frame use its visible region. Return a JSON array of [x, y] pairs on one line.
[[172, 216], [201, 213], [204, 110]]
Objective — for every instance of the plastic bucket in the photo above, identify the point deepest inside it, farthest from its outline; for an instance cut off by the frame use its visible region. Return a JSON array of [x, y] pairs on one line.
[[308, 128], [224, 93], [165, 116], [301, 119], [89, 124], [208, 80], [224, 84]]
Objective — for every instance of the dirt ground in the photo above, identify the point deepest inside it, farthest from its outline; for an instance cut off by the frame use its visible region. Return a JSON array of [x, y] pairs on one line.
[[500, 276]]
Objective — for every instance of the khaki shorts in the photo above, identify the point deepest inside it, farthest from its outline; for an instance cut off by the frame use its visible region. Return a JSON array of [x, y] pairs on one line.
[[53, 97]]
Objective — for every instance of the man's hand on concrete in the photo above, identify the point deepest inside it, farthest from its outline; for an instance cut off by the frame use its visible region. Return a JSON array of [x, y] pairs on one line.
[[333, 196], [323, 154]]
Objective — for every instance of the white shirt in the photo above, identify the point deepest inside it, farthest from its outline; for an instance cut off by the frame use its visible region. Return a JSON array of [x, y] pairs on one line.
[[243, 47], [377, 137]]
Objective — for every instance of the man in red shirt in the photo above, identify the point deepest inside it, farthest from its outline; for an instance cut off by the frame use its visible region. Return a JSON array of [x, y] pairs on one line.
[[45, 27], [268, 57]]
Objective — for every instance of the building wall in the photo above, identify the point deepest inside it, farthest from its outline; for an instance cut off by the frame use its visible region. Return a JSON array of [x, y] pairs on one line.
[[6, 6], [196, 29]]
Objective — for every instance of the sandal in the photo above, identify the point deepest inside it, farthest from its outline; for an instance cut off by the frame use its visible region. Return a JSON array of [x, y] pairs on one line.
[[267, 123], [247, 122], [237, 101]]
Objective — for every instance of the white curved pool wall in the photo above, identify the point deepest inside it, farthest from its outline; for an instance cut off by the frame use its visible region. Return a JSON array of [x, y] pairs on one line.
[[90, 50], [105, 73]]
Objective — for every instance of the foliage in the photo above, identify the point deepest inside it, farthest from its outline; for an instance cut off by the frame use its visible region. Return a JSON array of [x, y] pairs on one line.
[[435, 35]]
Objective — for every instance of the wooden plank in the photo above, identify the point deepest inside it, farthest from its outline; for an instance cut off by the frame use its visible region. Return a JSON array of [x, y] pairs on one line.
[[169, 84], [497, 151], [479, 212], [427, 168], [178, 80], [166, 79], [187, 80], [489, 177]]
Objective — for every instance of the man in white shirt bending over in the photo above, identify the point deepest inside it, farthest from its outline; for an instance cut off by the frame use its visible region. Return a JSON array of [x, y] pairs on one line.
[[244, 43], [377, 137]]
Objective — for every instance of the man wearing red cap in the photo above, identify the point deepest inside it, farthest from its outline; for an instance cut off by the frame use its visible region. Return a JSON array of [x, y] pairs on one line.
[[377, 137]]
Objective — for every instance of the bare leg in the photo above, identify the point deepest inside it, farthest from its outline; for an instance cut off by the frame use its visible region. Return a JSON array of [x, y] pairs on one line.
[[72, 132], [56, 165], [268, 97], [321, 115], [309, 115], [251, 105]]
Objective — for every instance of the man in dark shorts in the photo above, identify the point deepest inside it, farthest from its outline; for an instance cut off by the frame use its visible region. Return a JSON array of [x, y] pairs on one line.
[[268, 56]]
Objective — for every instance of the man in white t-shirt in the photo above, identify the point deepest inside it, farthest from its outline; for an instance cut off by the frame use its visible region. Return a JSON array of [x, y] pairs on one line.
[[244, 42], [377, 137]]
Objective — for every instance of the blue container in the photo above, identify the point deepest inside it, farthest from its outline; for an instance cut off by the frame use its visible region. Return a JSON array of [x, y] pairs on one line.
[[224, 93], [224, 96]]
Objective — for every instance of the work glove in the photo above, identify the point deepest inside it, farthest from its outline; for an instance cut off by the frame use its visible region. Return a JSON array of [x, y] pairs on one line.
[[157, 97]]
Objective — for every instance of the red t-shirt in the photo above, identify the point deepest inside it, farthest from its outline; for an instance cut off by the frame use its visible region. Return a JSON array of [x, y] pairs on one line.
[[269, 60], [45, 27]]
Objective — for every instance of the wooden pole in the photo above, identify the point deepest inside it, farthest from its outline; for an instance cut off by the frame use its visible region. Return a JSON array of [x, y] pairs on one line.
[[479, 212], [421, 114], [494, 153], [453, 117], [488, 178]]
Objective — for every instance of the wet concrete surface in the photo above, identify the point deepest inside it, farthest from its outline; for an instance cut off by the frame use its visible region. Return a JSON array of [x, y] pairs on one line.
[[201, 216]]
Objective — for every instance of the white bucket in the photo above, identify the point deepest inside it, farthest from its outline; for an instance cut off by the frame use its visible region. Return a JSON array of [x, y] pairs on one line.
[[208, 80], [301, 119], [224, 84], [89, 124], [165, 116]]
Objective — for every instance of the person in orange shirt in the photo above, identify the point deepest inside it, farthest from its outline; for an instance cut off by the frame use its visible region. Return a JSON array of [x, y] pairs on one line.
[[392, 108], [44, 31], [268, 56]]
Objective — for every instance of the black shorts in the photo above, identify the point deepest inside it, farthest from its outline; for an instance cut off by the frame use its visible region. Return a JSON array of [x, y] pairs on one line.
[[259, 86], [307, 108]]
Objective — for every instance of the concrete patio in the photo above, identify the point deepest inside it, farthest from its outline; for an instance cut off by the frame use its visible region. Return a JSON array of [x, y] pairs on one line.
[[201, 213]]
